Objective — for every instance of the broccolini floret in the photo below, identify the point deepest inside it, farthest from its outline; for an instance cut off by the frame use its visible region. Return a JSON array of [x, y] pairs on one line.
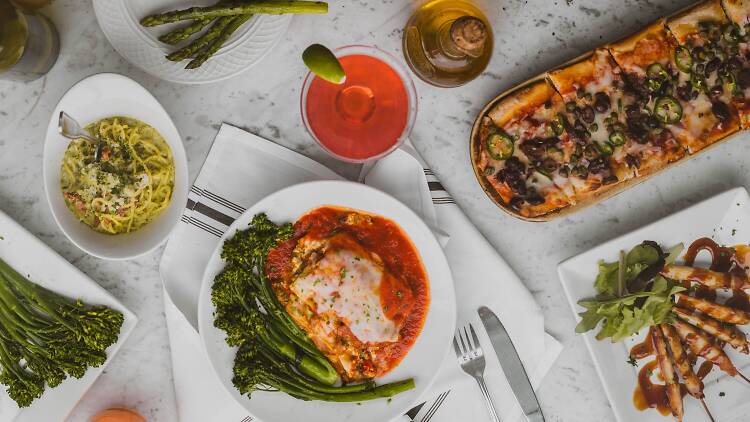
[[46, 337]]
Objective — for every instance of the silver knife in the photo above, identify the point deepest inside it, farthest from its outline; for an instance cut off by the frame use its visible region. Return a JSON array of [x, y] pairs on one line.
[[511, 364]]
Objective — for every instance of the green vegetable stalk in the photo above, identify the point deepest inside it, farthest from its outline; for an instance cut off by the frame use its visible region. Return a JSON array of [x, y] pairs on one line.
[[273, 351], [236, 9], [201, 42], [45, 337], [216, 44], [184, 32]]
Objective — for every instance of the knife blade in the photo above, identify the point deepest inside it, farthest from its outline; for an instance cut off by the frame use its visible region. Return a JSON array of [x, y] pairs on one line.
[[511, 364]]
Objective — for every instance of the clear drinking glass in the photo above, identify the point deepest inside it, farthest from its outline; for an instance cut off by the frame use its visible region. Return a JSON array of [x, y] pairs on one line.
[[29, 44], [370, 114]]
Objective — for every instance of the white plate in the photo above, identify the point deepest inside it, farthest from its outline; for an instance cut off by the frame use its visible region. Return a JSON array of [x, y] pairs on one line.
[[94, 98], [423, 360], [141, 46], [30, 257], [726, 219]]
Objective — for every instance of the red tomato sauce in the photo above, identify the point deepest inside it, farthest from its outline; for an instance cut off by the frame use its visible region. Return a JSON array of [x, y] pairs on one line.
[[401, 260]]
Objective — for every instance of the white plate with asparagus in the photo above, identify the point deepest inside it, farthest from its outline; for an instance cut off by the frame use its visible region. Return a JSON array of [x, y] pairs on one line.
[[197, 41]]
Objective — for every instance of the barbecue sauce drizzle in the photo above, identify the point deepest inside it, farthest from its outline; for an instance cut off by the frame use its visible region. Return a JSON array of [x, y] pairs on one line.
[[654, 396]]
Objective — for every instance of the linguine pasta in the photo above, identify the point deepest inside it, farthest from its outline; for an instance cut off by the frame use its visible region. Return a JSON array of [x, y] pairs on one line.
[[130, 186]]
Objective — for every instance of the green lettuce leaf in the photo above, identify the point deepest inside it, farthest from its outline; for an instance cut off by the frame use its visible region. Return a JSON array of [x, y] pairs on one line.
[[624, 316], [638, 259]]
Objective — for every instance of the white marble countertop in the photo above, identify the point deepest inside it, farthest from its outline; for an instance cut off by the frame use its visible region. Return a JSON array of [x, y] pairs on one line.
[[531, 36]]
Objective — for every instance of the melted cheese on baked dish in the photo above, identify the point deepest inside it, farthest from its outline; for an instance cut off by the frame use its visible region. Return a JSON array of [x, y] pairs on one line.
[[350, 305], [344, 285]]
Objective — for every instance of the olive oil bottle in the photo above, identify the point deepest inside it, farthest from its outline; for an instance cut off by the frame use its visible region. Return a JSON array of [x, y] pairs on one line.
[[448, 43], [29, 44]]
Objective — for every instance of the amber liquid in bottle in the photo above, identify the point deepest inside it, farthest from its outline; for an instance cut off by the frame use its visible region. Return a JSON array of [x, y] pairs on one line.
[[29, 44], [13, 33], [448, 43]]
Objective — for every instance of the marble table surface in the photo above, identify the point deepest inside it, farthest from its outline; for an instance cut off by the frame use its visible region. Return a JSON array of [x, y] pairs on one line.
[[531, 36]]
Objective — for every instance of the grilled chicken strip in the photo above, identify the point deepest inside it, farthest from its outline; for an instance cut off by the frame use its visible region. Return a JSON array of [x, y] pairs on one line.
[[742, 257], [726, 333], [693, 384], [700, 343], [670, 376], [708, 278], [714, 310]]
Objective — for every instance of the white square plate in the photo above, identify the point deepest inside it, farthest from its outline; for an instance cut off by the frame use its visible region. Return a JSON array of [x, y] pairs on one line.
[[32, 258], [726, 219]]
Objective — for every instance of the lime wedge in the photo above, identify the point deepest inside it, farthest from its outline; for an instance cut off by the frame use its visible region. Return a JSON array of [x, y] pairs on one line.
[[323, 63]]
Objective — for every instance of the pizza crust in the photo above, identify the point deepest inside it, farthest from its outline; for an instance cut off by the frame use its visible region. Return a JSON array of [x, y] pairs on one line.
[[568, 79], [554, 201], [686, 23], [738, 11], [521, 102], [634, 53]]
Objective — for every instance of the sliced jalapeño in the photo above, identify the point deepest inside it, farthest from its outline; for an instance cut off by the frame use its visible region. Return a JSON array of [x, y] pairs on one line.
[[668, 110], [500, 145], [683, 59]]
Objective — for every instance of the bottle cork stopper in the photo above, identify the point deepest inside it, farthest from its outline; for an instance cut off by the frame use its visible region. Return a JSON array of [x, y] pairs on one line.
[[468, 33]]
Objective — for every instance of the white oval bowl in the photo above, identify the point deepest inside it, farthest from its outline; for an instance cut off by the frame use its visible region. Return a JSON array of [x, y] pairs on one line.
[[422, 362], [94, 98]]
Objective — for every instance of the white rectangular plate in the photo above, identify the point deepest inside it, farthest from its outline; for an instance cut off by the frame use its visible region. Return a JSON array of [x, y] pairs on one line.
[[726, 219], [32, 258]]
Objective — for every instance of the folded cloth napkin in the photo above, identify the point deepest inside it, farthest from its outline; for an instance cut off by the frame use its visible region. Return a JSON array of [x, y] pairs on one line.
[[241, 169]]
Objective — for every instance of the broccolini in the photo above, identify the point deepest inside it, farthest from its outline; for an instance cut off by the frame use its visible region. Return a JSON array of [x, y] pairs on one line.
[[46, 337]]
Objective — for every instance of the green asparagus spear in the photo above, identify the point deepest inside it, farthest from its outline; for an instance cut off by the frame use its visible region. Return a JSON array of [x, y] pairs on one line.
[[218, 42], [260, 7], [184, 32], [202, 42]]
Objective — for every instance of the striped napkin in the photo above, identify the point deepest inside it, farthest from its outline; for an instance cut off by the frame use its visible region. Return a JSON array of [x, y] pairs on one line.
[[241, 169]]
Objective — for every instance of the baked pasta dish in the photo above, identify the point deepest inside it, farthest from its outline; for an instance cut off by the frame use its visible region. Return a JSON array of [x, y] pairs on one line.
[[355, 283]]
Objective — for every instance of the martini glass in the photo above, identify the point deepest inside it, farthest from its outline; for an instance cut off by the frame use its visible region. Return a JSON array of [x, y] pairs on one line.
[[369, 115]]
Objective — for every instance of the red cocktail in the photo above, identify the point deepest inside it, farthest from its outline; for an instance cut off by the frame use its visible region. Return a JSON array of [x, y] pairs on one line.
[[367, 116]]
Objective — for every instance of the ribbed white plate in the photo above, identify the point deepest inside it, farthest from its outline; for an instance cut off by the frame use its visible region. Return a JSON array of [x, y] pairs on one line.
[[141, 47]]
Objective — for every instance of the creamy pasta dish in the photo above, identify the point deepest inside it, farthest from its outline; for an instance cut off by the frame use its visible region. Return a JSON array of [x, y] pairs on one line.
[[130, 185]]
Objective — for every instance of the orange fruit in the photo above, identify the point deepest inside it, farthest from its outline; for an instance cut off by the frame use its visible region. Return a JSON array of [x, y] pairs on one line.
[[118, 415]]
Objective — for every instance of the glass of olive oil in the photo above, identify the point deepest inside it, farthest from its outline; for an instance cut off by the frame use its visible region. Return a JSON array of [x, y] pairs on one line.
[[29, 44]]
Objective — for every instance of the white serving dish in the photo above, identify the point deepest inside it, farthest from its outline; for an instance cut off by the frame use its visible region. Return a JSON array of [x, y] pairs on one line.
[[32, 258], [119, 20], [423, 360], [94, 98], [726, 219]]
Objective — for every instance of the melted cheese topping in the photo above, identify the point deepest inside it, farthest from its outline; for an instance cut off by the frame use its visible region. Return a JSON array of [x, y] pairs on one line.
[[346, 286]]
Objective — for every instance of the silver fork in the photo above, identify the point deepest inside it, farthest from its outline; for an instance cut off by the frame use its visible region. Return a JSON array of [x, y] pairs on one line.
[[471, 359], [71, 129]]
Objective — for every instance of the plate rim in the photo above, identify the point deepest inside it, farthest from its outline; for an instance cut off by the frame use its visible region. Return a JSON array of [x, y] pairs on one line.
[[450, 289]]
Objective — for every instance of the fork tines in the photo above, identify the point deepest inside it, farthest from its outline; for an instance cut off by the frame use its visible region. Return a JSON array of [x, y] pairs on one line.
[[468, 345]]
